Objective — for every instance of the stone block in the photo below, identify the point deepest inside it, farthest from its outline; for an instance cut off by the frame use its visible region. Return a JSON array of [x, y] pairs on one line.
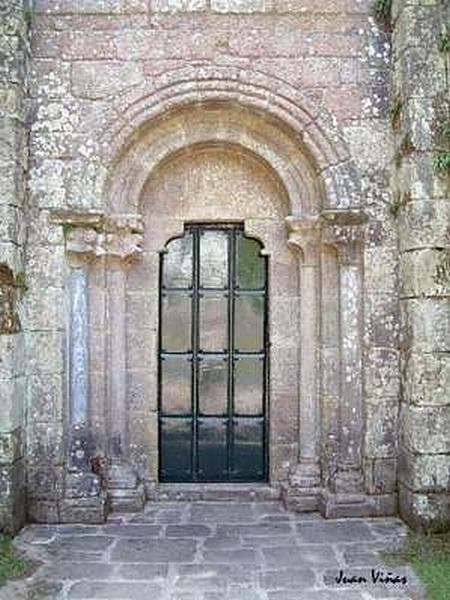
[[116, 589], [421, 73], [381, 269], [425, 473], [427, 511], [425, 272], [46, 267], [42, 511], [45, 444], [44, 483], [425, 324], [11, 446], [12, 512], [418, 175], [424, 224], [382, 372], [79, 45], [424, 430], [44, 352], [44, 394], [45, 309], [426, 378], [382, 319], [329, 532], [141, 390], [12, 407], [330, 371], [240, 6], [77, 510], [97, 80], [91, 7], [308, 555], [380, 475], [168, 6], [139, 550]]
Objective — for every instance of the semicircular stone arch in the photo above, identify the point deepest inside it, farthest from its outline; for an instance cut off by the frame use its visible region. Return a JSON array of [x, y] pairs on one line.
[[264, 114]]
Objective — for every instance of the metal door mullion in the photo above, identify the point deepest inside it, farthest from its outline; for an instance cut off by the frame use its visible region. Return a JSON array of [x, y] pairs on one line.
[[266, 372], [230, 412], [195, 343]]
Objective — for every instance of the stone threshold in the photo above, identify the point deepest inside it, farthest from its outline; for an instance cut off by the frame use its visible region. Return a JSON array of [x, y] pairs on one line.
[[258, 492]]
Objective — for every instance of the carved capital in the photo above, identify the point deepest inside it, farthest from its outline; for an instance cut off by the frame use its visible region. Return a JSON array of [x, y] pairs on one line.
[[345, 230], [304, 235], [90, 235]]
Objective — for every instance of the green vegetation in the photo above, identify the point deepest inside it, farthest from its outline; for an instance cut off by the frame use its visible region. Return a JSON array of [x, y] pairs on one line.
[[429, 555], [67, 228], [11, 565], [444, 43], [382, 10], [442, 159], [442, 162]]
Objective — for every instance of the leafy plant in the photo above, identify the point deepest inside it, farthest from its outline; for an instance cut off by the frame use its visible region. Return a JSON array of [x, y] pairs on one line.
[[444, 42], [429, 555], [382, 10], [11, 564], [67, 228], [442, 162]]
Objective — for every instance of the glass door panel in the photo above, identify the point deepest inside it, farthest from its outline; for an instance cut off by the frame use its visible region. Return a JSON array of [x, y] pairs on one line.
[[176, 449], [213, 325], [249, 323], [213, 387], [212, 392], [212, 450], [176, 386], [248, 449], [249, 386], [213, 259], [176, 323]]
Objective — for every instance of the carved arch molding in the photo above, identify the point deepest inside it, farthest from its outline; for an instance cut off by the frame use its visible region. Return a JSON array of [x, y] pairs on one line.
[[312, 227]]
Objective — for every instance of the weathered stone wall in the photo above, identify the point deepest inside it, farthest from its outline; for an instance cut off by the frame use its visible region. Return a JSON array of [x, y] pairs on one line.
[[92, 61], [421, 120], [14, 49], [108, 81]]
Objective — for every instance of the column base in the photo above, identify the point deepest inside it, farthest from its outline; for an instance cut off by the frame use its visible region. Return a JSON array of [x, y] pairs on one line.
[[126, 492], [302, 492], [337, 506], [84, 499]]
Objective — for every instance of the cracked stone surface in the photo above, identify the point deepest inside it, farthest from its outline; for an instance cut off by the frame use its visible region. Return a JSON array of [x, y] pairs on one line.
[[212, 551]]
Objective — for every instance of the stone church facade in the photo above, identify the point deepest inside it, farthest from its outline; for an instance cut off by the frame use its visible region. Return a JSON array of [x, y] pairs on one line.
[[302, 136]]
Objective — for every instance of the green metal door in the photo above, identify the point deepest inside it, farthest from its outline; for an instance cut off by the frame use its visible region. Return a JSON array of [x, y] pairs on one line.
[[213, 366]]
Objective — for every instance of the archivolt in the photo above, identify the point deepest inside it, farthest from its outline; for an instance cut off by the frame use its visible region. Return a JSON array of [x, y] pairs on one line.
[[264, 115]]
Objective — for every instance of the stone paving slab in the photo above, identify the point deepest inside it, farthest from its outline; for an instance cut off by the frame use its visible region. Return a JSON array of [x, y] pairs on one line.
[[212, 551]]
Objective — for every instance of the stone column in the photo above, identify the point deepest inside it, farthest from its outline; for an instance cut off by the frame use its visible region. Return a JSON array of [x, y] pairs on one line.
[[83, 498], [123, 245], [304, 236], [344, 231], [117, 238]]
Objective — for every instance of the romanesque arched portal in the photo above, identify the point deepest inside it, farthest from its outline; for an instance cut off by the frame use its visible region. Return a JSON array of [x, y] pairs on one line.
[[232, 148]]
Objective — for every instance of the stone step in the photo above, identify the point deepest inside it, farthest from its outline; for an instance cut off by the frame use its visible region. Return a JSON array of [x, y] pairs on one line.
[[126, 500], [214, 492]]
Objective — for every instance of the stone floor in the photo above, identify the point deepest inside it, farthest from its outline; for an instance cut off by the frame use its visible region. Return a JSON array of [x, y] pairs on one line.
[[212, 551]]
